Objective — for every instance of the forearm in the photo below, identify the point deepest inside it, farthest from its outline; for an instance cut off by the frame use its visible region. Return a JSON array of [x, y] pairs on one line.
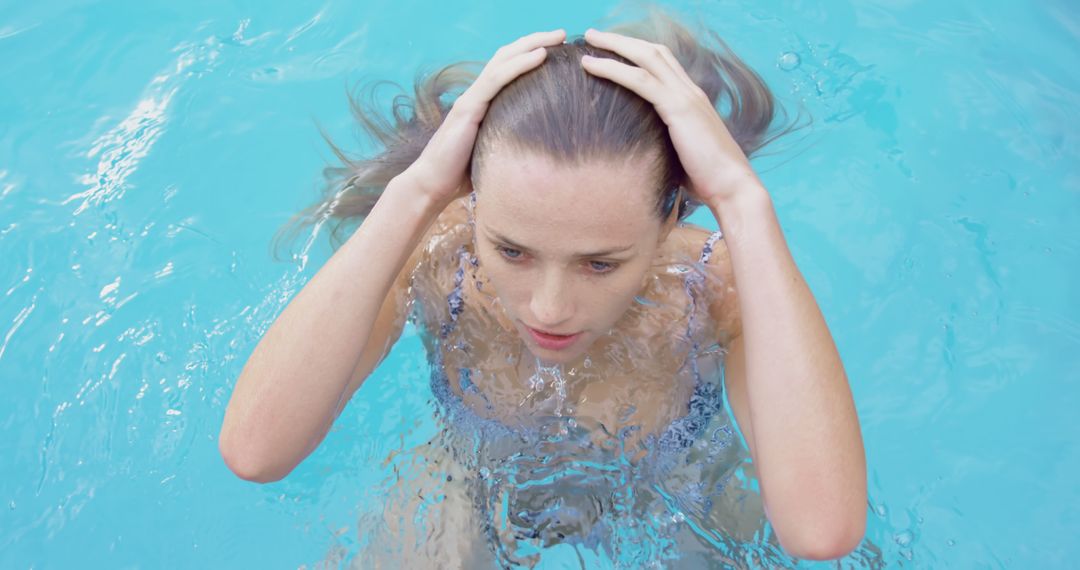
[[290, 387], [808, 446]]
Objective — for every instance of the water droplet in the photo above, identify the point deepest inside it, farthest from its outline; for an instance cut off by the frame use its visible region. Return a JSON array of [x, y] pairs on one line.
[[950, 542], [788, 61], [903, 538]]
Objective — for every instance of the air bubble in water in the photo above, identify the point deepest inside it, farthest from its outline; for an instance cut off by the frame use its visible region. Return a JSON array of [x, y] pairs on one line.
[[788, 61]]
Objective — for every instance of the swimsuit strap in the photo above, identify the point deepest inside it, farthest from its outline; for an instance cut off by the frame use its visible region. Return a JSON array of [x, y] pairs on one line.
[[695, 278], [454, 301], [707, 397], [706, 252]]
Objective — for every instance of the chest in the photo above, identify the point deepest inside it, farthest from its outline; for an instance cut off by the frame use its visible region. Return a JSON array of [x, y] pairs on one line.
[[640, 377]]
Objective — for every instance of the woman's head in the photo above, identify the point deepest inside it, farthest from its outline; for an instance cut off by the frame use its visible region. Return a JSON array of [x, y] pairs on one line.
[[577, 184], [564, 164], [576, 181]]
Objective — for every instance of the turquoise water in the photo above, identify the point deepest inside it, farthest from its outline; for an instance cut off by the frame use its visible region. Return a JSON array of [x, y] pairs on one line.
[[148, 152]]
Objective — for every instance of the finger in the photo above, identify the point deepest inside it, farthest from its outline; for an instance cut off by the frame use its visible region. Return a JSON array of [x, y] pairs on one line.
[[493, 78], [645, 55], [526, 44], [633, 78], [676, 67], [504, 72]]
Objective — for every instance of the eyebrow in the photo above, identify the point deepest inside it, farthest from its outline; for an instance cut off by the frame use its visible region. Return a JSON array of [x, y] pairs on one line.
[[602, 253]]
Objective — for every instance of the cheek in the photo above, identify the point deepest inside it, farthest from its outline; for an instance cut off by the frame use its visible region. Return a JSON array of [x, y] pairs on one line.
[[613, 295], [509, 283], [619, 290]]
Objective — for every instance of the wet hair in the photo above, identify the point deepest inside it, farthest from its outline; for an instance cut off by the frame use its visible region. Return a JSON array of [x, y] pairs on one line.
[[557, 109]]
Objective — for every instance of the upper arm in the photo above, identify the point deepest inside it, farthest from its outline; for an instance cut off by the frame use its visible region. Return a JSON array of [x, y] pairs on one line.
[[386, 329], [393, 313], [735, 386]]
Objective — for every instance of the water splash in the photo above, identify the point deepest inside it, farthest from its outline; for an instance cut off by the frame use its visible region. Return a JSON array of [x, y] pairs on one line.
[[540, 378]]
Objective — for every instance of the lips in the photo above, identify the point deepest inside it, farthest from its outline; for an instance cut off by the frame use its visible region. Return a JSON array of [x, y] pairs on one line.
[[551, 341]]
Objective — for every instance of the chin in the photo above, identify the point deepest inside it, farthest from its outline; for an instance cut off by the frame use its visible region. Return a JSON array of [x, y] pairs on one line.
[[553, 357]]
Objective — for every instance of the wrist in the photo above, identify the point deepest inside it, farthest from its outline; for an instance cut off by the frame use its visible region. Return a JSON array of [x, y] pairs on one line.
[[736, 209], [403, 208], [411, 187]]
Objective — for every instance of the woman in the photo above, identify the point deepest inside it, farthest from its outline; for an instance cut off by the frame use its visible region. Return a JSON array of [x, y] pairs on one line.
[[533, 231]]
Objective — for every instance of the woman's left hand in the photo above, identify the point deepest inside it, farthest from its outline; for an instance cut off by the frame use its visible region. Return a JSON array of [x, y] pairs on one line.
[[716, 167]]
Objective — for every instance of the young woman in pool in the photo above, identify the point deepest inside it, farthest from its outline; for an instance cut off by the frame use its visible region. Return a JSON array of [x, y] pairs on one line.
[[533, 228]]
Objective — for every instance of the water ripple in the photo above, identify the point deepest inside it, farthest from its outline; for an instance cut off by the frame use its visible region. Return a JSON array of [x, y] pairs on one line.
[[122, 148]]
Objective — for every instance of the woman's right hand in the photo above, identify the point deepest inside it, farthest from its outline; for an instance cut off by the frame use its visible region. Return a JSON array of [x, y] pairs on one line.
[[441, 169]]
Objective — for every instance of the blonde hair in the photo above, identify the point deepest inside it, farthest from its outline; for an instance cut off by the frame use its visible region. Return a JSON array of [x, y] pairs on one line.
[[558, 109]]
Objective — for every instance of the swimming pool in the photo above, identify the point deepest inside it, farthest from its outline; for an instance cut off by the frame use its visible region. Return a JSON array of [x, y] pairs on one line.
[[149, 151]]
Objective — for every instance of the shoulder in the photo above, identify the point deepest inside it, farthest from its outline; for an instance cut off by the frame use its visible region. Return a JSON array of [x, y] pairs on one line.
[[690, 237], [450, 230], [435, 259], [720, 288]]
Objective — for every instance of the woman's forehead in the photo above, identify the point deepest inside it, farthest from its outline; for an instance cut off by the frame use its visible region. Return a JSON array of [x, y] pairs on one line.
[[592, 206], [533, 182]]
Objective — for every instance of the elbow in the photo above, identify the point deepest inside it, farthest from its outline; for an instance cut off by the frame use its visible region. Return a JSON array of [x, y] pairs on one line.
[[248, 468], [827, 545]]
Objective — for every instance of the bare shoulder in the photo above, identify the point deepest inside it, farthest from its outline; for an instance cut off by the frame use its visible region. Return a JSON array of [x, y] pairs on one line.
[[450, 228], [436, 256], [689, 240]]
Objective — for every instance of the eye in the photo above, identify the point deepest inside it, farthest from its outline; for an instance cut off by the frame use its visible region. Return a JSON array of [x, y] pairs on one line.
[[601, 267], [509, 254]]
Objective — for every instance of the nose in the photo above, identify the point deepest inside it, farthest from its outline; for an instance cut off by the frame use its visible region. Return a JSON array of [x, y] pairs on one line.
[[551, 305]]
